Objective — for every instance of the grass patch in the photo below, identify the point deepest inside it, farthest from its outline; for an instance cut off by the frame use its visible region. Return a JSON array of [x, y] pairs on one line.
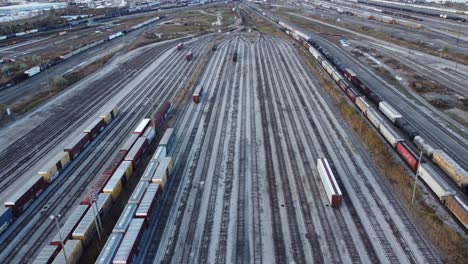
[[447, 240]]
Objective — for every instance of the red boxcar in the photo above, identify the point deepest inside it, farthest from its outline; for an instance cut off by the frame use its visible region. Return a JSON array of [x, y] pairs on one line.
[[161, 115], [95, 127], [351, 94], [197, 94], [115, 162], [407, 155], [343, 85], [136, 151], [26, 195], [77, 145], [349, 74], [96, 188]]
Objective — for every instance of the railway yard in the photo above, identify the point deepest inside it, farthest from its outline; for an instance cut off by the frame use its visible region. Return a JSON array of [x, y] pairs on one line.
[[267, 138]]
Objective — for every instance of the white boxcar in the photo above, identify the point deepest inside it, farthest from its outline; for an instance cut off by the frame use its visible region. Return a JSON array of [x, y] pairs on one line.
[[389, 134], [329, 183], [33, 71], [433, 180], [389, 111], [374, 117], [362, 104]]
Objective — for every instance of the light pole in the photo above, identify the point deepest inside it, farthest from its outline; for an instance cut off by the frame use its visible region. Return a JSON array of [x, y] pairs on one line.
[[416, 178], [96, 215], [55, 219], [150, 100]]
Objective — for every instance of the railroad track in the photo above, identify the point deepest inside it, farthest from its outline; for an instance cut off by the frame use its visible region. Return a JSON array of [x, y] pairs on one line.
[[141, 109]]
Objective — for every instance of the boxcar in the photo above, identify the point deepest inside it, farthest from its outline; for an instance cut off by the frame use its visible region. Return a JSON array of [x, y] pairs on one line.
[[26, 195]]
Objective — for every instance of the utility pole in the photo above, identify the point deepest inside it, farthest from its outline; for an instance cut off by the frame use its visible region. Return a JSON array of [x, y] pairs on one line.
[[416, 178], [55, 219], [96, 215]]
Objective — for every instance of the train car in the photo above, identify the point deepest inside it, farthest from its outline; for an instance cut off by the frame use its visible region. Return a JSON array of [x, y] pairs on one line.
[[141, 128], [234, 57], [86, 229], [148, 202], [110, 249], [351, 94], [114, 185], [374, 98], [149, 171], [54, 166], [97, 187], [423, 146], [47, 254], [407, 128], [374, 117], [189, 56], [330, 185], [71, 223], [389, 111], [125, 218], [25, 195], [149, 134], [362, 104], [408, 156], [130, 243], [125, 169], [343, 85], [115, 162], [336, 76], [198, 92], [458, 208], [138, 193], [163, 171], [350, 75], [95, 128], [6, 218], [135, 153], [435, 183], [129, 142], [390, 134], [213, 48], [447, 164], [168, 139], [180, 46], [33, 71], [73, 249], [161, 114]]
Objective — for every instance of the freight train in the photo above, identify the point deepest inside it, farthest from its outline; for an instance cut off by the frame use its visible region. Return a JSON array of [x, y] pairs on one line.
[[378, 111], [81, 226]]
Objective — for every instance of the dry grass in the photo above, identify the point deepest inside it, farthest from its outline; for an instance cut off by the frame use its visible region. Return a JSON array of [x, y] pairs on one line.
[[448, 241]]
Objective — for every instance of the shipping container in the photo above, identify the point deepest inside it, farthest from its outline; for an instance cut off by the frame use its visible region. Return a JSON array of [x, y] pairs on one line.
[[168, 140], [149, 134], [131, 242], [149, 171], [362, 104], [374, 117], [73, 249], [142, 126], [159, 153], [149, 201], [6, 218], [136, 151], [115, 162], [138, 193], [329, 183], [107, 118], [434, 181], [459, 208], [409, 157], [95, 128], [77, 145], [125, 218], [71, 223], [390, 134], [110, 248], [130, 142], [389, 111], [163, 171], [336, 76], [447, 164], [189, 56], [26, 195], [47, 254], [197, 94]]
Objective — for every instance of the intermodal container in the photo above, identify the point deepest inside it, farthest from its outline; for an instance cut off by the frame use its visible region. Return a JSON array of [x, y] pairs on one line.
[[96, 188], [71, 223], [138, 193], [149, 171], [115, 162], [77, 145], [47, 254], [136, 151], [159, 153], [87, 226], [107, 118], [125, 218], [130, 242], [389, 111], [407, 155], [447, 164], [95, 128], [149, 201], [125, 168], [130, 142], [26, 195], [6, 218], [73, 249], [141, 128], [54, 166], [110, 248], [330, 185], [163, 171], [459, 208], [435, 183]]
